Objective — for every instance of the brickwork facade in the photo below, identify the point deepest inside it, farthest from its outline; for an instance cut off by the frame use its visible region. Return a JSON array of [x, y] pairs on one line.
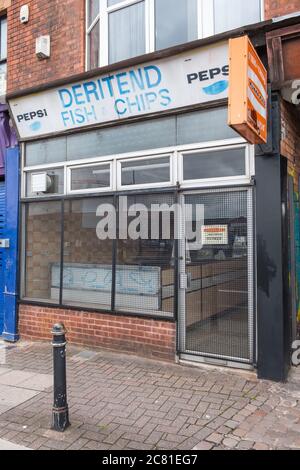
[[145, 337], [274, 8], [64, 22]]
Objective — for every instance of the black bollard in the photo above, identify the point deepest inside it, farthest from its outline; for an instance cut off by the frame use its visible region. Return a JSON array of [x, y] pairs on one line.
[[60, 412]]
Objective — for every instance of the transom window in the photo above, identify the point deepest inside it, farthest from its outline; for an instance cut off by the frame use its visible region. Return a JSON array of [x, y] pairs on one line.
[[187, 166], [120, 29]]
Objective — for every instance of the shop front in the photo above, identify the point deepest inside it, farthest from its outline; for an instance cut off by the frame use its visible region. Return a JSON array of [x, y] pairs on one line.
[[138, 227]]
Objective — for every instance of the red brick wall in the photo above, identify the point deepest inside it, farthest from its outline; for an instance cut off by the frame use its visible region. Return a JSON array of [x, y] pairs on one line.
[[290, 134], [145, 337], [275, 8], [65, 22]]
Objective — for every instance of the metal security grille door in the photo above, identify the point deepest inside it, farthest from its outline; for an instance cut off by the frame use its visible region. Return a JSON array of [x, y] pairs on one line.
[[216, 299], [2, 235]]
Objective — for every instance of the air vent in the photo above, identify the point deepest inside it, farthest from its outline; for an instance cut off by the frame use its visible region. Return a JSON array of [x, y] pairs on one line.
[[42, 183]]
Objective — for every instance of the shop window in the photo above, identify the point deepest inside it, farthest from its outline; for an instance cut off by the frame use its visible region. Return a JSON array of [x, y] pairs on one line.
[[145, 266], [121, 29], [87, 268], [132, 273], [42, 251], [45, 183], [195, 127], [145, 171], [90, 177], [214, 164]]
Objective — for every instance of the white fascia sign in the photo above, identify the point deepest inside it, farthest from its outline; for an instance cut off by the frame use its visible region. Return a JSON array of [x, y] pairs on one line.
[[187, 79]]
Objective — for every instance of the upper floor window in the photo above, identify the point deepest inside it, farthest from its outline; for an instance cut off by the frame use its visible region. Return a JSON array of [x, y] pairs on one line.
[[3, 54], [121, 29]]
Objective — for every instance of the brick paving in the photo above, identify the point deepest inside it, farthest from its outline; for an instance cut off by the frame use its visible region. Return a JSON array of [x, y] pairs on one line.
[[123, 402]]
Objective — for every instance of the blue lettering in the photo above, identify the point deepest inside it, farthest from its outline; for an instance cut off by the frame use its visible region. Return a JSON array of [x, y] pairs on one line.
[[108, 81], [65, 97], [90, 88], [65, 117], [150, 98], [79, 116], [165, 98], [122, 84], [100, 89], [133, 104], [91, 114], [137, 80], [153, 76], [117, 108], [78, 94]]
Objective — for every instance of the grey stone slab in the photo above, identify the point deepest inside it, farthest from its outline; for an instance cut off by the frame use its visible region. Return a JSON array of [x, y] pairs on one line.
[[15, 377], [38, 382], [4, 370], [6, 445], [4, 408], [12, 396]]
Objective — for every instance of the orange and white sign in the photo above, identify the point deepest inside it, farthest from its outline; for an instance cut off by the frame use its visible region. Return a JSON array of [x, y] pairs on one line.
[[214, 234], [248, 96]]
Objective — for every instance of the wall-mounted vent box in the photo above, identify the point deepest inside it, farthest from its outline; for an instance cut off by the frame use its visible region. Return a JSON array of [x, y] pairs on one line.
[[40, 183], [42, 47]]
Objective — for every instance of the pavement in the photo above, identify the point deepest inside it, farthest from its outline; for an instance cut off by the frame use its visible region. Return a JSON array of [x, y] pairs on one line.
[[122, 402]]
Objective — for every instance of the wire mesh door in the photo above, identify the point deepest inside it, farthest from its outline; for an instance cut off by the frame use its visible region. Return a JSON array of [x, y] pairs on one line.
[[216, 298]]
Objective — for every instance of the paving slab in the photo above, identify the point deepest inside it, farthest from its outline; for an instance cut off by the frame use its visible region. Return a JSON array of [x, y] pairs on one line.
[[6, 445], [13, 396], [15, 377], [38, 382]]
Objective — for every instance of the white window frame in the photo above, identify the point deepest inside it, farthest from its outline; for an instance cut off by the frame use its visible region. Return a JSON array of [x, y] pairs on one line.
[[163, 184], [205, 10], [176, 154], [101, 189], [218, 181]]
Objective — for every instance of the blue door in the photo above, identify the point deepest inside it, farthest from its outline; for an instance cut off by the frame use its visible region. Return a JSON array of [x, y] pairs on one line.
[[2, 235]]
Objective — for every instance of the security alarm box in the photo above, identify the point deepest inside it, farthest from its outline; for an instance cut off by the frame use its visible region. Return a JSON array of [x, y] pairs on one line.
[[24, 14]]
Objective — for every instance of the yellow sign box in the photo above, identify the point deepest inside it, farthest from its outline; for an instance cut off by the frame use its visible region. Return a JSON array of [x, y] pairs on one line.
[[248, 95]]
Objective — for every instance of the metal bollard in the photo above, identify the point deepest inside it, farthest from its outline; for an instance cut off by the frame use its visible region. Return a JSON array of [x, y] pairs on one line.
[[60, 412]]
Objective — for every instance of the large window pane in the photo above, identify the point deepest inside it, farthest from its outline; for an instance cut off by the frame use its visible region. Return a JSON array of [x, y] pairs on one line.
[[214, 164], [42, 251], [122, 139], [176, 22], [150, 171], [204, 126], [90, 177], [231, 14], [127, 32], [145, 266], [87, 270], [46, 151]]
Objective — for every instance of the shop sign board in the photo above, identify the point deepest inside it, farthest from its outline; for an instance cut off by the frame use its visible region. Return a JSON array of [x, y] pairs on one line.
[[214, 234], [248, 95], [186, 79]]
